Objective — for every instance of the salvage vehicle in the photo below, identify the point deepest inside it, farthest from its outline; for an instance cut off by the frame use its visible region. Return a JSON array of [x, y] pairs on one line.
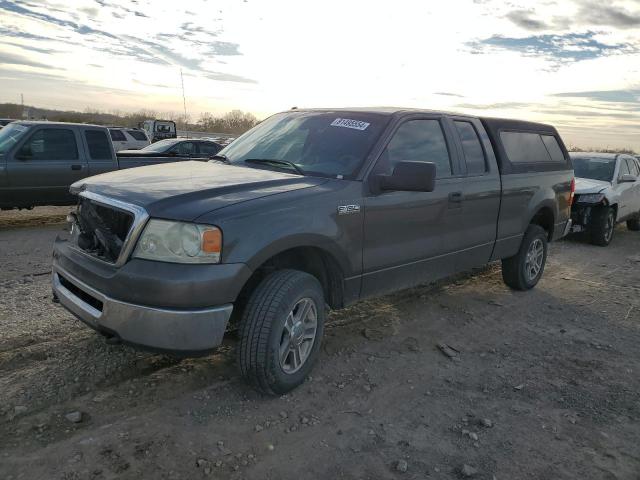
[[40, 160], [309, 209], [607, 193], [176, 147], [128, 138], [159, 129], [5, 121]]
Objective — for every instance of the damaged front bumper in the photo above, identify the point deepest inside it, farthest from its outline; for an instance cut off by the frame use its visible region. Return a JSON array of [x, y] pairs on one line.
[[175, 330]]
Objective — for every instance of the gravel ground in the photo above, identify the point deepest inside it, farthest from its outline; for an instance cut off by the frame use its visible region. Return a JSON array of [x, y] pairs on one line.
[[541, 385]]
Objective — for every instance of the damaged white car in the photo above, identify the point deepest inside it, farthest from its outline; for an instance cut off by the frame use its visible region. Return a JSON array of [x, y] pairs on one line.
[[607, 192]]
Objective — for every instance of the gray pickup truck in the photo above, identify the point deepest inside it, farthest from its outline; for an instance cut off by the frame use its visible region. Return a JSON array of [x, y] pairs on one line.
[[311, 208], [40, 160]]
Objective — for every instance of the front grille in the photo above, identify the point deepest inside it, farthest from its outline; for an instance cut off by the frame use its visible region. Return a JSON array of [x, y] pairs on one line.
[[101, 230]]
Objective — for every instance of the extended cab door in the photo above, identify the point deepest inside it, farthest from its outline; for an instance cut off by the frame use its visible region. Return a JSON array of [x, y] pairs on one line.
[[475, 234], [43, 167], [408, 235], [100, 151]]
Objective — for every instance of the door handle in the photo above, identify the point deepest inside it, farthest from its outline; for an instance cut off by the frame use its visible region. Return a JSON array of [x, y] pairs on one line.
[[76, 167], [455, 197]]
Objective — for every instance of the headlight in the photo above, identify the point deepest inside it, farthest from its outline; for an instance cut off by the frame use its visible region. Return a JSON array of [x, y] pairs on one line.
[[179, 242], [591, 198]]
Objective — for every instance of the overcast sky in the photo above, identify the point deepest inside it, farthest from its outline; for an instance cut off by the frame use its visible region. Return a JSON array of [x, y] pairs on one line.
[[573, 63]]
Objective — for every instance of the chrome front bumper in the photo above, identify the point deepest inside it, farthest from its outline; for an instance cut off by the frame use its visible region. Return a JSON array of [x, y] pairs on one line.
[[158, 328]]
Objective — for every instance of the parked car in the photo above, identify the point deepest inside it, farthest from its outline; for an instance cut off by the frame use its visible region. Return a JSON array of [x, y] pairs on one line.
[[128, 138], [309, 208], [607, 193], [176, 147], [40, 160], [5, 121], [159, 129]]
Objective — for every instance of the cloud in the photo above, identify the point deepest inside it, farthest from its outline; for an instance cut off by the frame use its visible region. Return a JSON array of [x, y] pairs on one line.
[[46, 51], [524, 19], [570, 47], [600, 13], [449, 94], [12, 59], [589, 13], [227, 77], [613, 96], [494, 106]]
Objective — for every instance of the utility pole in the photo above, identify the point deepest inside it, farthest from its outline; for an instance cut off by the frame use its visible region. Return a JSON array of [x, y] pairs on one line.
[[184, 100]]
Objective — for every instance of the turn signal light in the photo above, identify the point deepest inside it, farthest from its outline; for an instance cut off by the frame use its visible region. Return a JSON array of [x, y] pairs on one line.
[[212, 241]]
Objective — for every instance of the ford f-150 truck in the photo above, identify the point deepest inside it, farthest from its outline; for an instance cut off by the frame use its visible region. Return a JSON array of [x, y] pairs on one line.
[[40, 160], [311, 208]]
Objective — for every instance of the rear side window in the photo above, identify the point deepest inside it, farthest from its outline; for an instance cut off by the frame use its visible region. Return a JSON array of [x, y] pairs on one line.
[[51, 144], [553, 148], [473, 153], [138, 135], [633, 168], [98, 143], [117, 136], [524, 147], [210, 148]]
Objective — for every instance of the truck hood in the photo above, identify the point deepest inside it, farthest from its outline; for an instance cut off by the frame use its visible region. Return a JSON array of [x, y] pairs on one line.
[[586, 185], [187, 190]]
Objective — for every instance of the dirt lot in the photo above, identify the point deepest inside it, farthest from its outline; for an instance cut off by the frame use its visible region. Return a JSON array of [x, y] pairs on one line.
[[545, 385]]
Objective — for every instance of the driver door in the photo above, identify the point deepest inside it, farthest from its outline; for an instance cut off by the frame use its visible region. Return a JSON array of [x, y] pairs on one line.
[[407, 234]]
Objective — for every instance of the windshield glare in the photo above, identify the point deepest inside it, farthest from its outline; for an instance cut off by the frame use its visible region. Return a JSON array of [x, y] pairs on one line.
[[332, 144], [594, 168], [10, 135], [160, 146]]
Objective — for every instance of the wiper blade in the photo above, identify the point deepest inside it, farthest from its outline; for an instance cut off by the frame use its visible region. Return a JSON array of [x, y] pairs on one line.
[[220, 157], [276, 163]]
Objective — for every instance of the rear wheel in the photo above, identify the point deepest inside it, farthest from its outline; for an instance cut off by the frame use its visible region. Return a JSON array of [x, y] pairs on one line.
[[524, 270], [602, 226], [281, 331]]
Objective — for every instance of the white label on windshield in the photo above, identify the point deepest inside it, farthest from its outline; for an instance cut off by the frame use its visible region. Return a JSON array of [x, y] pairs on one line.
[[346, 123]]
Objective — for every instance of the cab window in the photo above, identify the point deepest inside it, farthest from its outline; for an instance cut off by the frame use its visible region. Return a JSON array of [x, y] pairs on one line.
[[417, 141]]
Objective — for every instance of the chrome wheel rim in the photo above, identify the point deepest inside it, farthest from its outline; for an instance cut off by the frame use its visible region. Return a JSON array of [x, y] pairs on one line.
[[609, 230], [298, 335], [534, 259]]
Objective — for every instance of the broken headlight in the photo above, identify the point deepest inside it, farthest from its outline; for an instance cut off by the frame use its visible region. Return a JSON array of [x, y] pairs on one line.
[[590, 198], [179, 242]]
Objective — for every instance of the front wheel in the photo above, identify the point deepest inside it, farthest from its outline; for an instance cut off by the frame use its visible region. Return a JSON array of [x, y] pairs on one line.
[[603, 224], [281, 331], [524, 270]]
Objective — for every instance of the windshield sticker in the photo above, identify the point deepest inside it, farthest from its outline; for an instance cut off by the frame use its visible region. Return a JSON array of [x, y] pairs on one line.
[[346, 123]]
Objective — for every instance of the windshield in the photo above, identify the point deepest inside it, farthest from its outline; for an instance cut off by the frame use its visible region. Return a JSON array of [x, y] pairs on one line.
[[316, 143], [594, 168], [10, 135], [161, 146]]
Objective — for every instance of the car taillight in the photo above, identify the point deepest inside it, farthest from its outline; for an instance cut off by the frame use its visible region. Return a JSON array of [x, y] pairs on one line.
[[573, 191]]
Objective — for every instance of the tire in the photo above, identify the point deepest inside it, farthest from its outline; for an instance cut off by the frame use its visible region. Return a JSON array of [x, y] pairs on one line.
[[633, 224], [602, 226], [266, 327], [524, 270]]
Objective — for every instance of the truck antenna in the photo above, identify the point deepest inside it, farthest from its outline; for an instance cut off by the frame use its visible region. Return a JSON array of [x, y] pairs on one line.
[[184, 100]]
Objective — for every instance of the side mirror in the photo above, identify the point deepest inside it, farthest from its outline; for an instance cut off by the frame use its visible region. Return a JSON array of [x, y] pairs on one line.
[[173, 153], [409, 177], [627, 178]]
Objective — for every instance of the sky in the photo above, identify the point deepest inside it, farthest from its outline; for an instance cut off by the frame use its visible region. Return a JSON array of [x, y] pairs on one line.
[[572, 63]]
